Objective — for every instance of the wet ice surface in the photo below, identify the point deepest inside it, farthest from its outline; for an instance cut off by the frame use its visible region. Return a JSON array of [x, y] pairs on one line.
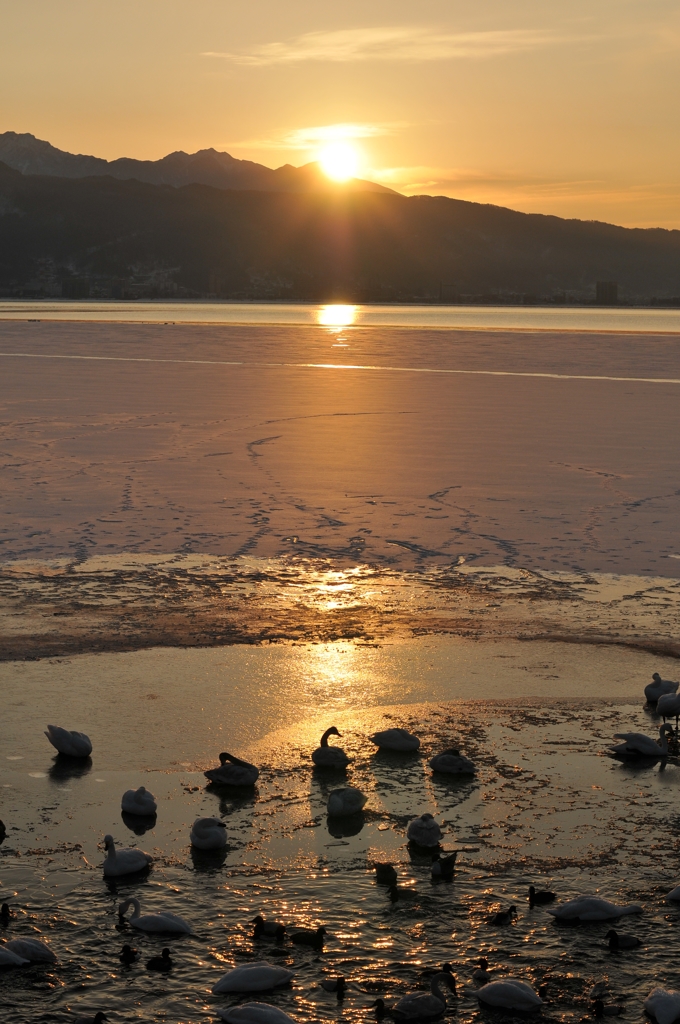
[[132, 601], [547, 807]]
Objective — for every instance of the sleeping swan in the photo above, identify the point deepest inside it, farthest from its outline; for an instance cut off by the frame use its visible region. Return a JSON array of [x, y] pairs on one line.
[[138, 801], [329, 757], [636, 744], [208, 834], [592, 908], [255, 977], [344, 801], [233, 772], [509, 994], [395, 739], [157, 923], [663, 1005], [658, 687], [254, 1013], [72, 744], [424, 831], [123, 862], [453, 763], [426, 1005]]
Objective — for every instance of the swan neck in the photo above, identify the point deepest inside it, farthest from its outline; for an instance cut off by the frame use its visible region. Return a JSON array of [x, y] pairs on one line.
[[436, 989], [237, 760], [324, 738], [663, 742], [134, 903]]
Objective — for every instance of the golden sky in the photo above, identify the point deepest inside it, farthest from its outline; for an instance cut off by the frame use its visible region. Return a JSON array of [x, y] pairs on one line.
[[565, 108]]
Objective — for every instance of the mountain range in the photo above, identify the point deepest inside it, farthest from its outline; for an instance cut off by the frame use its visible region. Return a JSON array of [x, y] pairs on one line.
[[101, 236], [29, 155]]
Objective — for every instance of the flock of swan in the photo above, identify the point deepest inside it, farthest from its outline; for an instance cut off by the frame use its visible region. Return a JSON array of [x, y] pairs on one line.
[[423, 833]]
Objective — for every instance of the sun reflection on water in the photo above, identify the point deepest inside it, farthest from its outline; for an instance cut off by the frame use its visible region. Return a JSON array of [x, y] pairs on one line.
[[336, 315]]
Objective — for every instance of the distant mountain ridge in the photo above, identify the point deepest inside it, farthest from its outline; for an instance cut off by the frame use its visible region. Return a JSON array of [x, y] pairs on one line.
[[96, 236], [29, 155]]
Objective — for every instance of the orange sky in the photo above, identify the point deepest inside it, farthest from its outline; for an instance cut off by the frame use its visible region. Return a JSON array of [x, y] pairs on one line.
[[560, 108]]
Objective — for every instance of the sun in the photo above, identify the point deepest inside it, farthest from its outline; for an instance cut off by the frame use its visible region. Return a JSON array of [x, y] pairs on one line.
[[339, 160]]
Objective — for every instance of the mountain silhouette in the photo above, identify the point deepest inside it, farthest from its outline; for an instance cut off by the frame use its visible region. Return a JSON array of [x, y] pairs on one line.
[[98, 236], [29, 155]]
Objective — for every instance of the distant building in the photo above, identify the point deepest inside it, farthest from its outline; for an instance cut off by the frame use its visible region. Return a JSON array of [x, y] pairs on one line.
[[606, 293]]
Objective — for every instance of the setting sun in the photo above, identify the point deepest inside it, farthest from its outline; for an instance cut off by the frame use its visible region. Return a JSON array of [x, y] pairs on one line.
[[339, 161]]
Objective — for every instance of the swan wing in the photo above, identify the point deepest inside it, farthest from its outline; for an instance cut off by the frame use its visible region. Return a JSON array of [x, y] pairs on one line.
[[510, 993], [674, 894], [254, 1013], [419, 1004], [8, 958], [637, 742], [178, 922], [72, 744], [663, 1005], [257, 977], [31, 949]]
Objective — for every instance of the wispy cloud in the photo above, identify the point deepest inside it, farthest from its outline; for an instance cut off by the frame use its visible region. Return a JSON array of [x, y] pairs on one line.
[[413, 43], [316, 135]]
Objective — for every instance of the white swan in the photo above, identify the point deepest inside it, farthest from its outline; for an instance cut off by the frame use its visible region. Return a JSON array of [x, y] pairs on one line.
[[233, 771], [426, 1005], [663, 1005], [138, 801], [636, 744], [509, 994], [395, 739], [255, 977], [330, 757], [73, 744], [592, 908], [674, 895], [659, 686], [31, 949], [10, 959], [208, 834], [123, 862], [453, 763], [424, 831], [163, 923], [254, 1013], [346, 800]]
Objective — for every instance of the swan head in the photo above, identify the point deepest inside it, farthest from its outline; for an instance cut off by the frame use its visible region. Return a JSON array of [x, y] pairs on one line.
[[141, 791], [258, 920], [427, 816], [611, 934], [99, 1017], [483, 963], [224, 757], [329, 732], [109, 843], [656, 677], [666, 728], [165, 953]]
